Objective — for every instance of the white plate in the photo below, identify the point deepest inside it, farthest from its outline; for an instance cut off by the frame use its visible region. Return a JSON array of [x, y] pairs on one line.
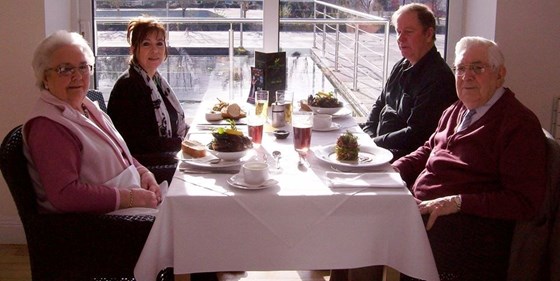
[[325, 110], [204, 161], [334, 126], [369, 156], [342, 113], [237, 181]]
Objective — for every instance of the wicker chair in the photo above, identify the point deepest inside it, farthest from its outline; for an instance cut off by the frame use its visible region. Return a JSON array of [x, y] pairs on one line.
[[72, 246], [96, 95]]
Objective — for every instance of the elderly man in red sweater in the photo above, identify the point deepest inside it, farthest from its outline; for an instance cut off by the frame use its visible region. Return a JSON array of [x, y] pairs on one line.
[[481, 170]]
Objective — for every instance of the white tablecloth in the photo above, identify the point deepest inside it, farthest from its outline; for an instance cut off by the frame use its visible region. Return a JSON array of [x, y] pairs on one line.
[[205, 225]]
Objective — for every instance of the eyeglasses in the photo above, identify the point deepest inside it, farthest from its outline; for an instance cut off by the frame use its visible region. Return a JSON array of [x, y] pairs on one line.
[[69, 70], [477, 69]]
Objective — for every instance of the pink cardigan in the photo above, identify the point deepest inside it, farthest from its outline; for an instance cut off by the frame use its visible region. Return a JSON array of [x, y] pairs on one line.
[[70, 157]]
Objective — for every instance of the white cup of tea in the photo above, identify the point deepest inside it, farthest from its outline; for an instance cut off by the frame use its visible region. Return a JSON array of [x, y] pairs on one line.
[[255, 173], [322, 121]]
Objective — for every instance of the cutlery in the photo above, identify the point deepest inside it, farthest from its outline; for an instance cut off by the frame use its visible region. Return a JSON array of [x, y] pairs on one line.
[[211, 161], [198, 171]]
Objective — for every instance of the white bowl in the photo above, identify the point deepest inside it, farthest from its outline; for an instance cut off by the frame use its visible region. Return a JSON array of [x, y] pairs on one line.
[[325, 110], [229, 156]]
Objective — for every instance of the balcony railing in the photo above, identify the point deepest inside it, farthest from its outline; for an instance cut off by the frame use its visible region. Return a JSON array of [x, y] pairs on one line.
[[339, 36]]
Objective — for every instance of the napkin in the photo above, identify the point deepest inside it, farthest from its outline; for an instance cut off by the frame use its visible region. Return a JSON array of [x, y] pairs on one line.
[[384, 180]]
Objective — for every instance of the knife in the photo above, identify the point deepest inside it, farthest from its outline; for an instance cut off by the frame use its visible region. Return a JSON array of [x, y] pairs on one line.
[[216, 171]]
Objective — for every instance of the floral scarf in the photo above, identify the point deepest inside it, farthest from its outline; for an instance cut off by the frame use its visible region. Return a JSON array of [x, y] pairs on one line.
[[162, 115]]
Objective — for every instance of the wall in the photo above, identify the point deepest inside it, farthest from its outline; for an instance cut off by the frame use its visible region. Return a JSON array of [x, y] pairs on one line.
[[526, 30], [17, 90]]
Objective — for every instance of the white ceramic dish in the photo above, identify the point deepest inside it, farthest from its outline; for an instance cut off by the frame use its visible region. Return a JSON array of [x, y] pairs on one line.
[[334, 126], [368, 157], [228, 156], [238, 182], [204, 162], [344, 112], [325, 110]]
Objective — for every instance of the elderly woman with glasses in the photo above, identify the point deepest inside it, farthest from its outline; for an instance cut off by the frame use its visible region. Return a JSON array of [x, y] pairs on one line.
[[142, 104], [77, 160]]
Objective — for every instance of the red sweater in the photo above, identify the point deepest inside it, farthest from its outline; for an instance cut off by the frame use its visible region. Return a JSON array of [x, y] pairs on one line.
[[497, 164]]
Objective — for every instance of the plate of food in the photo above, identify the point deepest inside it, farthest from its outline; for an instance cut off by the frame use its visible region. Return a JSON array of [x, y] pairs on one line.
[[228, 147], [324, 103], [225, 110], [348, 153]]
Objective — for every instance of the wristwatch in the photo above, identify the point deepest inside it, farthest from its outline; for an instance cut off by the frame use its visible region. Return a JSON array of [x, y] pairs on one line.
[[457, 199]]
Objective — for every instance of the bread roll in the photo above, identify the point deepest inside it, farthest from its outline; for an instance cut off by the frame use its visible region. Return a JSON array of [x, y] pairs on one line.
[[232, 111], [193, 148]]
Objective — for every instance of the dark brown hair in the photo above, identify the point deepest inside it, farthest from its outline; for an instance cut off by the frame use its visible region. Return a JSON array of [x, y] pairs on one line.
[[139, 29]]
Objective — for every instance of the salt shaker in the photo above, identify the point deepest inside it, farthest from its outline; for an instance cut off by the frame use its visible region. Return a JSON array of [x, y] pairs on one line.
[[278, 117]]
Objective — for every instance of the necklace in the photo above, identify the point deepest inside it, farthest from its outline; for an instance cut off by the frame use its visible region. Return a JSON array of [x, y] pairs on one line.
[[86, 112]]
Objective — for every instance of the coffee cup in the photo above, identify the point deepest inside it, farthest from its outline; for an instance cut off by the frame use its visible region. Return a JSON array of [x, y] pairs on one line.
[[255, 173], [322, 121]]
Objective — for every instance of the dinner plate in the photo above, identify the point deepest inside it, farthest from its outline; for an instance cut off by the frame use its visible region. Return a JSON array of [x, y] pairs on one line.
[[334, 126], [204, 162], [238, 182], [343, 112], [369, 156]]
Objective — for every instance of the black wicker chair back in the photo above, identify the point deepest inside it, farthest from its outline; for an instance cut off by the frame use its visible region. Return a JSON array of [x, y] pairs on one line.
[[71, 246], [96, 95]]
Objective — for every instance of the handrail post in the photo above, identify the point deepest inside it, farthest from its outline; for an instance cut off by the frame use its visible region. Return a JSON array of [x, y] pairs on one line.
[[314, 25], [231, 39], [324, 31], [386, 54], [337, 43], [356, 61]]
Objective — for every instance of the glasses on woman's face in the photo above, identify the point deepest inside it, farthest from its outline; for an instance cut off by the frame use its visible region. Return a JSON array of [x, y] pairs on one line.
[[69, 70], [476, 68]]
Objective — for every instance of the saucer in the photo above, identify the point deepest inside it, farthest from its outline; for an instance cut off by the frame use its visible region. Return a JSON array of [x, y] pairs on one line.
[[334, 126], [238, 181]]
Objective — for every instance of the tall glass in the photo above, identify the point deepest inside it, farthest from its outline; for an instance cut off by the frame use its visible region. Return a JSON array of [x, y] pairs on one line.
[[302, 121], [255, 128], [261, 103], [286, 97]]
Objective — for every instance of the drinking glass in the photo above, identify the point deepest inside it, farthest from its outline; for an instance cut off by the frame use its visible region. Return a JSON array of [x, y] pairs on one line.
[[302, 121], [286, 97], [261, 103], [255, 127]]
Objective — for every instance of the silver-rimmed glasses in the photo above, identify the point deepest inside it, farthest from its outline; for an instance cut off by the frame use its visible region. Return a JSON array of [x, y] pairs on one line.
[[476, 68], [69, 70]]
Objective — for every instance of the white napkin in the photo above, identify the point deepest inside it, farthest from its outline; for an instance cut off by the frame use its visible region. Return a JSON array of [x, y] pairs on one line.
[[383, 180]]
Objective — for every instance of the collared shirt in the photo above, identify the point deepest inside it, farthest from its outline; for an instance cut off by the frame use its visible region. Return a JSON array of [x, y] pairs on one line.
[[481, 110]]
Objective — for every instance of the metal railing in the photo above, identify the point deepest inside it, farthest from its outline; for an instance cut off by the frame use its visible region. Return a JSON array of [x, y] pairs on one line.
[[354, 52], [358, 60]]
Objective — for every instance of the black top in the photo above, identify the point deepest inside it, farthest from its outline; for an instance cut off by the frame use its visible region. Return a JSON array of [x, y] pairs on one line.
[[407, 111], [131, 108]]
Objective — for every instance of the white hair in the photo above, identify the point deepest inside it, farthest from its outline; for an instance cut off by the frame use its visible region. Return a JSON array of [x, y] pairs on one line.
[[45, 49], [495, 56]]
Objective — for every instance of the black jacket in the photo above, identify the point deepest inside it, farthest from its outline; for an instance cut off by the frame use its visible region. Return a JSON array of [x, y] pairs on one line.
[[407, 111], [131, 110]]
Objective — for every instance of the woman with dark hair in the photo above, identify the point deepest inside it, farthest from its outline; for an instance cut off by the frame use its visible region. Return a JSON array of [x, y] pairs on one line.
[[142, 105]]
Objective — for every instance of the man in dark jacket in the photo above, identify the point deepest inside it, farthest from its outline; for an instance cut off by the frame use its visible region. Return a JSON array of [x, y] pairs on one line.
[[420, 87]]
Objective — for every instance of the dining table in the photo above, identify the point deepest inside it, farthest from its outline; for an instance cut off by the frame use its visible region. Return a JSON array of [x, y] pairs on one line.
[[301, 221]]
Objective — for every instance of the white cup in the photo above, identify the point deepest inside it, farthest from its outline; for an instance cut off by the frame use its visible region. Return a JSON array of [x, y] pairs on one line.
[[322, 121], [255, 173]]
